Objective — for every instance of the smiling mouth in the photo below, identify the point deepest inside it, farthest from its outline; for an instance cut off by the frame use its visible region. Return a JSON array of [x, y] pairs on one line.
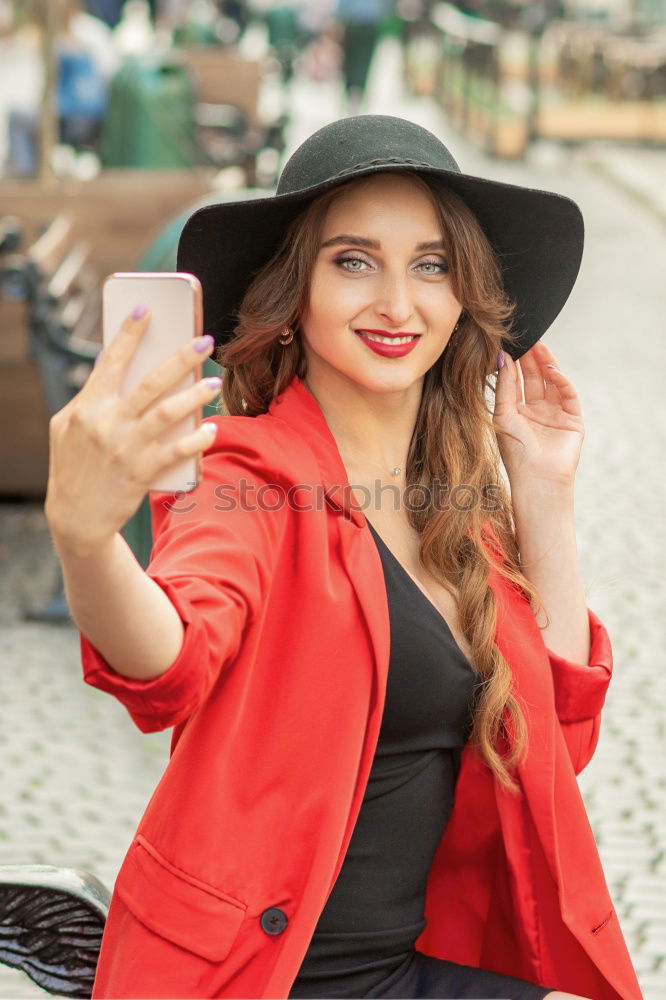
[[388, 338]]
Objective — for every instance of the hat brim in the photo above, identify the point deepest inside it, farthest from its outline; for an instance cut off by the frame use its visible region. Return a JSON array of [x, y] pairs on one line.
[[538, 236]]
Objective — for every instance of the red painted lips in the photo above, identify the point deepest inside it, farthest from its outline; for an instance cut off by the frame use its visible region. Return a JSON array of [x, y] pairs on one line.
[[388, 350]]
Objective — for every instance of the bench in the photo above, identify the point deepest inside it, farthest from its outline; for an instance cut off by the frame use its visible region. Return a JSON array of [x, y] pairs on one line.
[[61, 293], [59, 290], [228, 126]]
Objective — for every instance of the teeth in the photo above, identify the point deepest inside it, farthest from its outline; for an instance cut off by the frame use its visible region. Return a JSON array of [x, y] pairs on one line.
[[388, 340]]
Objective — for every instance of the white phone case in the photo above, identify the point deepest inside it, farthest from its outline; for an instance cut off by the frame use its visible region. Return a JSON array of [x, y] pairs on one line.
[[175, 300]]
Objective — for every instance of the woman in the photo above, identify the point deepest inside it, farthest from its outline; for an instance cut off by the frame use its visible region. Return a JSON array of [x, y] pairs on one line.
[[360, 25], [346, 621]]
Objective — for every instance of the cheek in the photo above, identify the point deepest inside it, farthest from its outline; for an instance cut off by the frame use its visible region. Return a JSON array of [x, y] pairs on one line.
[[333, 303], [442, 299], [319, 295]]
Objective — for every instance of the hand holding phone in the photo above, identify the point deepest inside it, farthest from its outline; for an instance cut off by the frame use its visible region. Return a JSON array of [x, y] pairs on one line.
[[175, 301], [115, 439]]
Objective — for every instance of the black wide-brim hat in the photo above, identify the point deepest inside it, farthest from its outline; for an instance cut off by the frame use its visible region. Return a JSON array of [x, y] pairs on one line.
[[538, 235]]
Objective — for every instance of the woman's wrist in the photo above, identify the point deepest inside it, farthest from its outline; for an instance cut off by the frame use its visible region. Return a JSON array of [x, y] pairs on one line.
[[557, 492], [71, 547]]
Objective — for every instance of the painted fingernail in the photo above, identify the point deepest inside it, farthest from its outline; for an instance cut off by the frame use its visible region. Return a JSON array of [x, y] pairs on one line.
[[554, 367], [214, 382], [500, 359], [202, 344], [210, 429], [140, 311]]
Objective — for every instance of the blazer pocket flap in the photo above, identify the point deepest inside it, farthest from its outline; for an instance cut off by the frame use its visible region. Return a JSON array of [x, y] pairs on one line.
[[176, 905]]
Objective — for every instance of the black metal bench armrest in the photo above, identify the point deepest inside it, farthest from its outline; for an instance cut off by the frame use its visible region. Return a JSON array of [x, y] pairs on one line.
[[51, 924]]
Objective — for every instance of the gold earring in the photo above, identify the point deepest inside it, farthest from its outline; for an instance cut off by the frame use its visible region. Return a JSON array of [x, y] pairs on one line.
[[287, 336]]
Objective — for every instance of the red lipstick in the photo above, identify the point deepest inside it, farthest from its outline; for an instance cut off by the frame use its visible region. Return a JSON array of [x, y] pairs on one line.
[[388, 350]]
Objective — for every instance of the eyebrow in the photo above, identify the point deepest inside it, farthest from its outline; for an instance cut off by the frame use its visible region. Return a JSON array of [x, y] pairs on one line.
[[363, 241]]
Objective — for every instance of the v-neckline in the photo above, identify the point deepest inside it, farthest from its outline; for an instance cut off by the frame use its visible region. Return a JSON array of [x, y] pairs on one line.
[[415, 584]]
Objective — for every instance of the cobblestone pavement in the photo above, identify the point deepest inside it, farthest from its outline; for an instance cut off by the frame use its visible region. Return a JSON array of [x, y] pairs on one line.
[[77, 774]]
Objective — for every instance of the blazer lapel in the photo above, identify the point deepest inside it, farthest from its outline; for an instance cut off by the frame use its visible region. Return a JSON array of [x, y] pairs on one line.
[[516, 635], [518, 638], [362, 562]]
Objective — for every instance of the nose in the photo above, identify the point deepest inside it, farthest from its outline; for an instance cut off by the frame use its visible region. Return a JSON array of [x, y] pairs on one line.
[[394, 301]]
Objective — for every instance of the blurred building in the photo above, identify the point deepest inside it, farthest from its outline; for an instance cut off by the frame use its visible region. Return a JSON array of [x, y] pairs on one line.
[[649, 12]]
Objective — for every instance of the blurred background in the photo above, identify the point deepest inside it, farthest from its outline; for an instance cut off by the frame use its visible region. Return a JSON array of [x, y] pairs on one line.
[[119, 119]]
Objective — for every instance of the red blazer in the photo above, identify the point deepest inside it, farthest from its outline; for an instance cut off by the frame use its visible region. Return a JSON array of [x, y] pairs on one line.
[[276, 698]]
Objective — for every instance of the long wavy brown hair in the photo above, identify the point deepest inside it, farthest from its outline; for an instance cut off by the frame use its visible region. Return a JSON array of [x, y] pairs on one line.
[[453, 442]]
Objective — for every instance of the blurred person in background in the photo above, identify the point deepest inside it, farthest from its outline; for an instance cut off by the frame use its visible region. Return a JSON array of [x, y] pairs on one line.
[[86, 60], [360, 22], [320, 58], [237, 11], [316, 16], [284, 35], [108, 11], [23, 82], [416, 17]]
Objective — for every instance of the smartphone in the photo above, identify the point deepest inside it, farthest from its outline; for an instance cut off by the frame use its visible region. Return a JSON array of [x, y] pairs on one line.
[[175, 299]]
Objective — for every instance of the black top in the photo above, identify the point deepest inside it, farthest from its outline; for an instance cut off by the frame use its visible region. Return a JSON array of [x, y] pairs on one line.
[[375, 910]]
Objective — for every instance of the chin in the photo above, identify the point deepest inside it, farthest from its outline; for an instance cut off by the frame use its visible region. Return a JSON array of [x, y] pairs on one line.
[[394, 376], [389, 381]]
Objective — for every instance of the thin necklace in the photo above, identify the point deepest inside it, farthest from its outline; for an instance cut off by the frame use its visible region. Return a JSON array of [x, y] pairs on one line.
[[396, 470]]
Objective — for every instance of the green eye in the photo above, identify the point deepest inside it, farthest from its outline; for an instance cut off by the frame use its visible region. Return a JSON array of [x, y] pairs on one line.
[[438, 266], [350, 263]]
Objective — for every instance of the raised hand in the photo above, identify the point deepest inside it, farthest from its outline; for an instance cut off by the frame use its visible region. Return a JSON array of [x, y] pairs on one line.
[[105, 449], [540, 437]]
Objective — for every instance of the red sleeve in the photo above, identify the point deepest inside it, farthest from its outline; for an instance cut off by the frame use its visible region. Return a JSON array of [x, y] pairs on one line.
[[580, 688], [213, 554], [580, 692]]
